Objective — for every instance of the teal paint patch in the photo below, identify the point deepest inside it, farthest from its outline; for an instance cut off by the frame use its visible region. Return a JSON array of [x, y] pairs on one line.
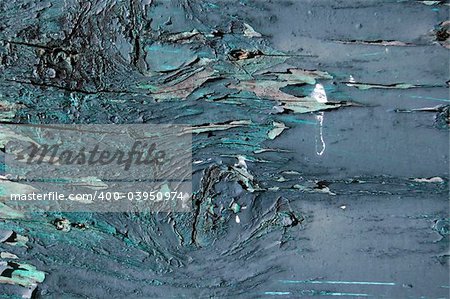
[[431, 98], [338, 282], [277, 293]]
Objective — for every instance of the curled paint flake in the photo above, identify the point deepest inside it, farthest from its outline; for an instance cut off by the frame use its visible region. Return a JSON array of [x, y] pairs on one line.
[[250, 32], [279, 127]]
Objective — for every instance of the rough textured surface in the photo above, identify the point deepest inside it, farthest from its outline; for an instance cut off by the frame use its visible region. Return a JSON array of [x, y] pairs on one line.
[[318, 125]]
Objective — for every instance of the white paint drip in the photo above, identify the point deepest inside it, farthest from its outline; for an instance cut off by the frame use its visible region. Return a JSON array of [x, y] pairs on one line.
[[320, 118]]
